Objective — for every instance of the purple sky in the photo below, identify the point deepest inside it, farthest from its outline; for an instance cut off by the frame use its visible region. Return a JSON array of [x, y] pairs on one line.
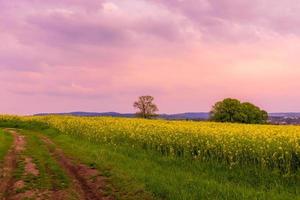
[[98, 55]]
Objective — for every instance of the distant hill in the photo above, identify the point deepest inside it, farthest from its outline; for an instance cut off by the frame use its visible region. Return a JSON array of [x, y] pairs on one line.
[[91, 114], [289, 114], [179, 116], [285, 118], [189, 115]]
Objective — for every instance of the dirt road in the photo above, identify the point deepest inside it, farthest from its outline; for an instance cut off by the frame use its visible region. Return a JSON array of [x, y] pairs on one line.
[[35, 168]]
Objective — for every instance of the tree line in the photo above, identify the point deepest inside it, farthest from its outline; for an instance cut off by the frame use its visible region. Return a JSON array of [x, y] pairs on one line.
[[227, 110]]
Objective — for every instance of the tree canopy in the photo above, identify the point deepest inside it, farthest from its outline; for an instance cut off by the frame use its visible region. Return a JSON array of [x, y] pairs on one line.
[[146, 107], [232, 110]]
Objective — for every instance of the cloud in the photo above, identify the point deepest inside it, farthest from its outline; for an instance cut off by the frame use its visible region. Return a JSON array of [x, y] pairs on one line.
[[240, 20], [101, 54], [67, 33]]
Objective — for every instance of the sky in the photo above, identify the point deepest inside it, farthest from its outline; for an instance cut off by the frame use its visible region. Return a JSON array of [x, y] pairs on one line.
[[100, 55]]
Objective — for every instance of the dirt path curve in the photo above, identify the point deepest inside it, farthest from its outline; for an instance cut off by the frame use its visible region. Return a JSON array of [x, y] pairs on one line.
[[15, 189], [10, 163], [88, 182]]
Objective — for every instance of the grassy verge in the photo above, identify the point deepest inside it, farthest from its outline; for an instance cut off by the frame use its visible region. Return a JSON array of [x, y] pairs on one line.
[[134, 172], [6, 140], [118, 184], [51, 176]]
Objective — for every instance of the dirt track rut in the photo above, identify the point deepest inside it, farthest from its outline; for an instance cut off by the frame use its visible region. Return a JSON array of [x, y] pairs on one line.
[[87, 183], [10, 163]]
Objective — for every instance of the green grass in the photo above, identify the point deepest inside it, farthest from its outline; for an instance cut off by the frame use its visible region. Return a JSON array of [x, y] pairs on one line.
[[6, 140], [133, 172], [137, 174], [51, 176], [118, 183]]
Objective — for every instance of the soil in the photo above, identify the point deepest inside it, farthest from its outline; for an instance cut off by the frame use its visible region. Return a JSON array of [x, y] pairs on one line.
[[10, 163], [87, 180], [87, 183], [30, 167]]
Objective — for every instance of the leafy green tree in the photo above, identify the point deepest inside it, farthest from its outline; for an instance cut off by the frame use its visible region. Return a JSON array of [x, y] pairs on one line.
[[232, 110], [253, 114], [146, 107]]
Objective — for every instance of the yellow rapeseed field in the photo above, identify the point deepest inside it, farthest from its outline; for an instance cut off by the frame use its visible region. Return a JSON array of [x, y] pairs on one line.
[[266, 146]]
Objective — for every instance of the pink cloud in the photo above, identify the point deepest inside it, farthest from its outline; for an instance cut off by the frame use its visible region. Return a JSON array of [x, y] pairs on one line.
[[99, 55]]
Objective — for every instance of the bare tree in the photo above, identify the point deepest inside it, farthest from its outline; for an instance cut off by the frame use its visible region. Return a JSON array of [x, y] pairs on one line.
[[146, 107]]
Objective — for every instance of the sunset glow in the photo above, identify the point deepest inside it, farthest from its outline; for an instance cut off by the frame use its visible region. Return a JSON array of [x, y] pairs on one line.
[[100, 55]]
